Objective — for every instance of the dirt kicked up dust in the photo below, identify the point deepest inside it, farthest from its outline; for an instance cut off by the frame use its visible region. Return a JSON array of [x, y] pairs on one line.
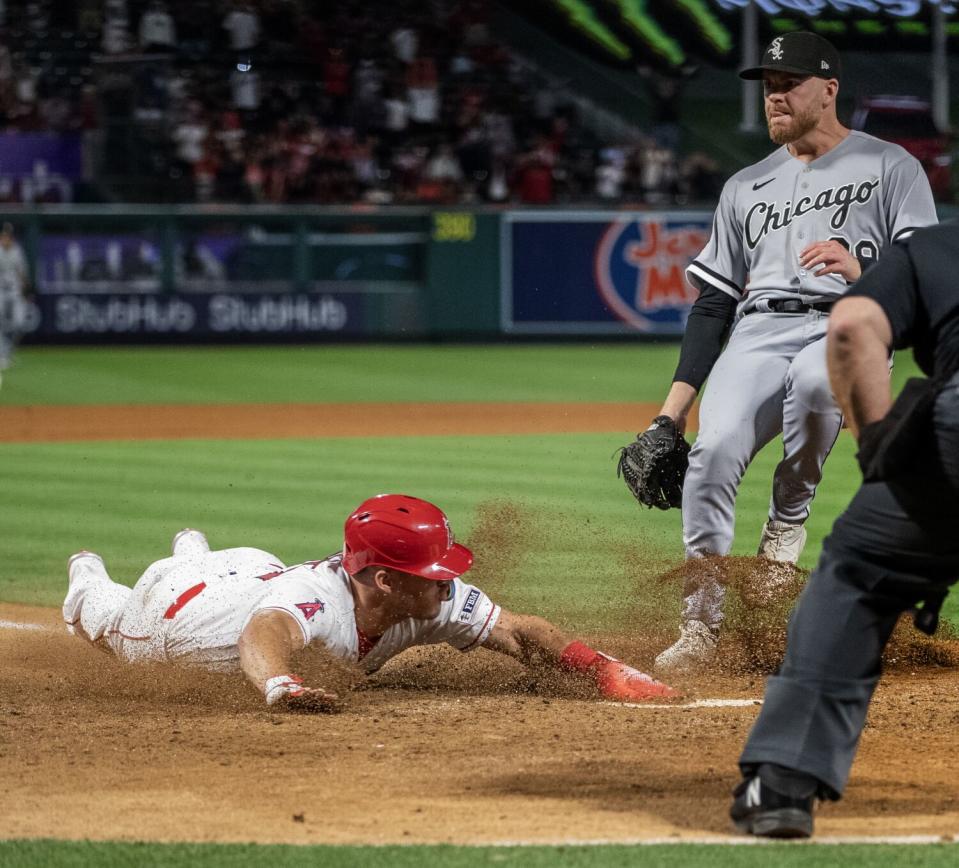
[[441, 747]]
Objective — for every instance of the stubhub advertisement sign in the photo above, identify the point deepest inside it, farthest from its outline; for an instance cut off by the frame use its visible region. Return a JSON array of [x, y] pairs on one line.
[[599, 273], [179, 316]]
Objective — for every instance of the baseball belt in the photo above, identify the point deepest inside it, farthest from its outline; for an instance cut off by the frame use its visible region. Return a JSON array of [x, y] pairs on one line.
[[792, 305]]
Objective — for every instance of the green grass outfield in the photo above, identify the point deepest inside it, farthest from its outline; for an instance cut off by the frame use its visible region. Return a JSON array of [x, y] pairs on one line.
[[590, 543], [40, 854]]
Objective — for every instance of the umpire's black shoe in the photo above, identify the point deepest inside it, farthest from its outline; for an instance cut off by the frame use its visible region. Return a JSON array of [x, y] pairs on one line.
[[759, 810]]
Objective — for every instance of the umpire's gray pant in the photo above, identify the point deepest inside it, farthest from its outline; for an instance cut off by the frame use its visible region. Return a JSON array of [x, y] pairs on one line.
[[894, 546]]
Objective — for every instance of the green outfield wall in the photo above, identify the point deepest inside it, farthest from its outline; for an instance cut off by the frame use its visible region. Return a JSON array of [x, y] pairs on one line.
[[186, 274]]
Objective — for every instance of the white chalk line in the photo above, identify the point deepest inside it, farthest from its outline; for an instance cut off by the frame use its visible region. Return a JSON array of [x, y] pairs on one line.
[[698, 703], [15, 625]]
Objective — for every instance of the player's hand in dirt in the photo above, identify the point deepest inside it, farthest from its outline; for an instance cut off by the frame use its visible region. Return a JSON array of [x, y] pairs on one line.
[[834, 259], [311, 700], [618, 681], [288, 692]]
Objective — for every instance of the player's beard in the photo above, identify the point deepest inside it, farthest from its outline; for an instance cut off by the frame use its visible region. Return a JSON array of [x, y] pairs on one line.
[[799, 124]]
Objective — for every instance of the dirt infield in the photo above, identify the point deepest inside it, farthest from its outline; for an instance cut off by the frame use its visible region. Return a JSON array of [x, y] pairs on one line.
[[438, 747], [441, 747], [278, 421]]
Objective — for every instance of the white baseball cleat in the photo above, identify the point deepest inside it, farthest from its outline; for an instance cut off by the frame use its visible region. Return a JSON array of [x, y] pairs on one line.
[[695, 647], [190, 542], [81, 568], [782, 542]]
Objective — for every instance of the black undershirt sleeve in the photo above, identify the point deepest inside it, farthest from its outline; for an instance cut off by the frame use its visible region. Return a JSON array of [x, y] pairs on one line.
[[706, 331]]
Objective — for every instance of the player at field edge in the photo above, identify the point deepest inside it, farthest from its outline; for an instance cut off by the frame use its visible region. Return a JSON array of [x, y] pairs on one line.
[[396, 583]]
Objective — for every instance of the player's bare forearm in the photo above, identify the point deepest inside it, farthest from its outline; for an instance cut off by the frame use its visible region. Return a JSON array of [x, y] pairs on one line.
[[533, 640], [857, 353], [678, 403], [527, 638], [267, 645]]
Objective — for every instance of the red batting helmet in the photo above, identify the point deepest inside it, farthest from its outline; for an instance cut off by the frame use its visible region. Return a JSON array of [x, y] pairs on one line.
[[406, 534]]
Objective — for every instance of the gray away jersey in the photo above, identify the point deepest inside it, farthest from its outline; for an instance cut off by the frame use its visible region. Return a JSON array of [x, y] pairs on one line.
[[865, 192]]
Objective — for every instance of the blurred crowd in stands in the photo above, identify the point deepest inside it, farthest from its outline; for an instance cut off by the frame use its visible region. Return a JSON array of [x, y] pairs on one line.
[[292, 101]]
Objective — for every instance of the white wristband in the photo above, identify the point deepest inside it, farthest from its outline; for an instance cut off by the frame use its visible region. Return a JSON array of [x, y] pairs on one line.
[[282, 685]]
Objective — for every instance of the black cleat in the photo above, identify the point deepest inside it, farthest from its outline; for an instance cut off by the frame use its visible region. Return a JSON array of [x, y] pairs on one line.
[[759, 810]]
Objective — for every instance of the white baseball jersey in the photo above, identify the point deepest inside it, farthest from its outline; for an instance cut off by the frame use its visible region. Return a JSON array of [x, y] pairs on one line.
[[865, 192], [193, 608]]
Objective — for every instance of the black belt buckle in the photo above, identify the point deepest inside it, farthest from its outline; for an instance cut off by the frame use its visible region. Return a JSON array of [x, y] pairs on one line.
[[790, 305]]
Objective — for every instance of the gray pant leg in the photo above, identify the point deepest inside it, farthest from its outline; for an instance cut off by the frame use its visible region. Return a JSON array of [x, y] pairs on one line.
[[7, 326], [740, 412], [811, 423]]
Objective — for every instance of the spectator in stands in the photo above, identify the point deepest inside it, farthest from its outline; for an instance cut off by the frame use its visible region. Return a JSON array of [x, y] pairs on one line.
[[56, 113], [611, 173], [366, 169], [396, 118], [382, 100], [229, 182], [190, 135], [245, 87], [497, 184], [6, 69], [422, 92], [116, 28], [337, 76], [659, 175], [38, 18], [700, 178], [534, 175], [405, 41], [157, 29], [242, 24], [444, 171]]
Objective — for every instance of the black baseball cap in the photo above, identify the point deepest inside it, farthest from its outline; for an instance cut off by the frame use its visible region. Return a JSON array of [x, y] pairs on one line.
[[800, 52]]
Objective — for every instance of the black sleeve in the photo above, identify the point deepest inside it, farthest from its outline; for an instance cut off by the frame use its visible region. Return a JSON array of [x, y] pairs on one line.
[[892, 284], [706, 331]]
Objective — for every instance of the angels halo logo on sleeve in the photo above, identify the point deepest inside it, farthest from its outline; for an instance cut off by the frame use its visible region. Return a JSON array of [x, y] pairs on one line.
[[640, 271], [310, 609]]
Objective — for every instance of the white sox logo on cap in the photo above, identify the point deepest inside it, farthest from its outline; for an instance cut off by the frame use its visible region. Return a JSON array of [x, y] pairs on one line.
[[798, 53]]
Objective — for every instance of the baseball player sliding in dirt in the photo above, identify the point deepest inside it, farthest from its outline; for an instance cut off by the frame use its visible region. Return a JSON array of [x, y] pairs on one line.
[[396, 584], [790, 233]]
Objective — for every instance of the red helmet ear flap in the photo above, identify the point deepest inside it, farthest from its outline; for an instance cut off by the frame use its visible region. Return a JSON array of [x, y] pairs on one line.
[[403, 533]]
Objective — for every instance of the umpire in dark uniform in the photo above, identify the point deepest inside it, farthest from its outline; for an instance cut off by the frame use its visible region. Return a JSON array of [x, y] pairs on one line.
[[894, 549]]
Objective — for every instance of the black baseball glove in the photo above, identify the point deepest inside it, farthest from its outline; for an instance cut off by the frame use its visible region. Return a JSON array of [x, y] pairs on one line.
[[654, 465]]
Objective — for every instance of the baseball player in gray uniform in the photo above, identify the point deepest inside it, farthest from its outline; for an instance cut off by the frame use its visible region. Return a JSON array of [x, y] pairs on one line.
[[790, 233], [13, 280]]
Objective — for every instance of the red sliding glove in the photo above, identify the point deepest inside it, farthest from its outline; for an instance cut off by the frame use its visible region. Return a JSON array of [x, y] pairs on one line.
[[614, 679]]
